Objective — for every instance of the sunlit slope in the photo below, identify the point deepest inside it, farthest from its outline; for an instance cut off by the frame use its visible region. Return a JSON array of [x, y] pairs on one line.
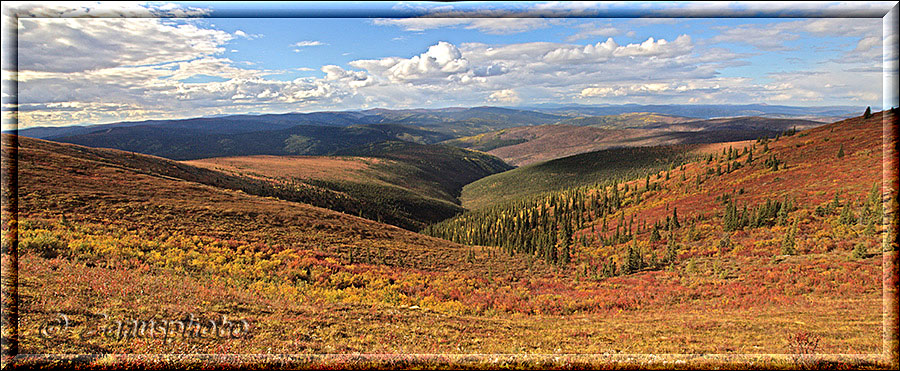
[[417, 183], [794, 222], [574, 171], [525, 145], [136, 244], [373, 200], [726, 183], [150, 196], [437, 170]]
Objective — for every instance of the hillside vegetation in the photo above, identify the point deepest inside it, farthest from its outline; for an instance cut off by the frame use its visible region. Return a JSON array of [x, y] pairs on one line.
[[567, 272], [458, 122], [627, 120], [599, 167], [188, 144], [433, 167], [379, 194], [400, 183], [758, 184], [527, 145]]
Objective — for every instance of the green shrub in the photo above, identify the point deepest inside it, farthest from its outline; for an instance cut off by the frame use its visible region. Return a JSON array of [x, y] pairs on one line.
[[44, 243], [859, 252]]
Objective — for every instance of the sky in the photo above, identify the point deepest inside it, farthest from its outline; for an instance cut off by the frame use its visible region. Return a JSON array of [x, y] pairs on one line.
[[89, 63]]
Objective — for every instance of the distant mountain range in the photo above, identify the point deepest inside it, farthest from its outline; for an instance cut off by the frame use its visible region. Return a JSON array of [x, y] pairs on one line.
[[702, 111], [446, 120]]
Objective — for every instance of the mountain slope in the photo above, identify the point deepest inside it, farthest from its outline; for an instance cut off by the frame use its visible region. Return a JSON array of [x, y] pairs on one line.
[[584, 169], [401, 183], [626, 120], [437, 170], [325, 133], [232, 124], [805, 222], [103, 186], [816, 192], [188, 144], [532, 144], [139, 244], [704, 111], [455, 120], [369, 196]]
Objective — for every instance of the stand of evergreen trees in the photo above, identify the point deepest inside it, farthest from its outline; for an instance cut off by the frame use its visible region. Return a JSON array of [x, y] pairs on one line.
[[770, 213], [544, 226]]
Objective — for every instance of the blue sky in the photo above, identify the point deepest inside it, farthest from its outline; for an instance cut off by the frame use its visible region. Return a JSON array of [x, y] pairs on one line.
[[147, 61]]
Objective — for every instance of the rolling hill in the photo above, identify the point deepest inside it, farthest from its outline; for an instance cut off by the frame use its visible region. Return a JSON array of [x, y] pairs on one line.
[[123, 236], [626, 120], [574, 171], [188, 144], [520, 137], [400, 183], [696, 177], [466, 121], [527, 145], [377, 189], [703, 111], [436, 170], [232, 124], [318, 133], [782, 222], [449, 121]]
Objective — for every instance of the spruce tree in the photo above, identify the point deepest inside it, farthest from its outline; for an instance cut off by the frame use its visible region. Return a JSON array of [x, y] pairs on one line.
[[652, 262], [654, 234], [789, 241], [875, 194], [633, 259], [565, 255], [671, 249], [868, 113], [847, 217], [782, 215], [841, 152]]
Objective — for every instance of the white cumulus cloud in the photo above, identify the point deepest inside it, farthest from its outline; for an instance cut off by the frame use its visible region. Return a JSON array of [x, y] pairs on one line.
[[504, 96]]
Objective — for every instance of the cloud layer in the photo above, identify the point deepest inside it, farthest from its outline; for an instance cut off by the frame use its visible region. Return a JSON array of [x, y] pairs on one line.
[[84, 70]]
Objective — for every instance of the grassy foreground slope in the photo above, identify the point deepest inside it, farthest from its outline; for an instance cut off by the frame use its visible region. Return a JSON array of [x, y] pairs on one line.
[[140, 245]]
